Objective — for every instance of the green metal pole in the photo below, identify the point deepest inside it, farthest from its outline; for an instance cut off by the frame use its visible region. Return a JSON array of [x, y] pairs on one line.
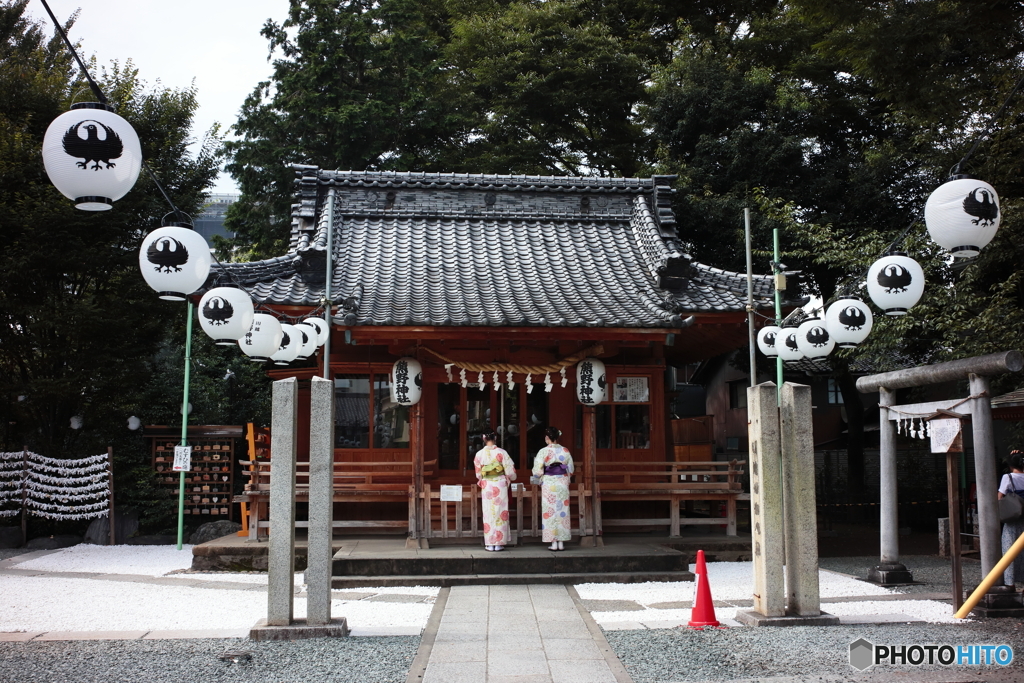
[[184, 423], [778, 314]]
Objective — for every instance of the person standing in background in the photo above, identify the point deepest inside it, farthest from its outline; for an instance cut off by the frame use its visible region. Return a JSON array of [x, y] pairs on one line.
[[494, 470]]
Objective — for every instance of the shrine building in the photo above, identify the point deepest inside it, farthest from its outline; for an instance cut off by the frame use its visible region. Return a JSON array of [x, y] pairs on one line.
[[498, 285]]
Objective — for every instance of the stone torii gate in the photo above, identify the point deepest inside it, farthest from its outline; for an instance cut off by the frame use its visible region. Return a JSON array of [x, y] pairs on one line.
[[977, 371]]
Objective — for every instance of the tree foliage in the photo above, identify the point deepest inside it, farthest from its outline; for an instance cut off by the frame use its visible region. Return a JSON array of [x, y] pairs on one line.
[[78, 324]]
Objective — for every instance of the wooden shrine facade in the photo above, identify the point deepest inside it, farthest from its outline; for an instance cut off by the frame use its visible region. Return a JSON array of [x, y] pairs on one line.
[[507, 273]]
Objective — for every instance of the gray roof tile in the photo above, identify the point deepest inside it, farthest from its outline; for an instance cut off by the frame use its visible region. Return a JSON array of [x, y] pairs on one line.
[[441, 261]]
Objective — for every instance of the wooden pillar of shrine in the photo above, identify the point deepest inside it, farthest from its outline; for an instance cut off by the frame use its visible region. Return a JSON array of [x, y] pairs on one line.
[[590, 477], [416, 503]]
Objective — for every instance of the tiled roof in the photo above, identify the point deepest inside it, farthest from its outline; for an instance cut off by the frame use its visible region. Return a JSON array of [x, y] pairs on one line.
[[491, 250]]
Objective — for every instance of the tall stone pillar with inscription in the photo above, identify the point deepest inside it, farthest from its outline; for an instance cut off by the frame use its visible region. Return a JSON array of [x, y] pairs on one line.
[[783, 512]]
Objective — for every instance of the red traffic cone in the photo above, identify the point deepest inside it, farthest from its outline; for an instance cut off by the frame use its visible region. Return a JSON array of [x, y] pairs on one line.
[[703, 613]]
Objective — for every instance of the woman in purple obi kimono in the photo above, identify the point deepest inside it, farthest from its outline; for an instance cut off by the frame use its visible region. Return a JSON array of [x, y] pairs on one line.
[[553, 467]]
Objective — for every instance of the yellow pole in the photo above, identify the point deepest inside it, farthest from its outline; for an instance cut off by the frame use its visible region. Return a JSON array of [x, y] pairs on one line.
[[993, 576]]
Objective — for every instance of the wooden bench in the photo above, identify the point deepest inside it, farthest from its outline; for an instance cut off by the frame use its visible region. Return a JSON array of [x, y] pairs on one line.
[[354, 482], [674, 482]]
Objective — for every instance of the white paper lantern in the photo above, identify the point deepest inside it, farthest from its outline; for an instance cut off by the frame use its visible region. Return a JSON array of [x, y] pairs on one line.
[[321, 329], [175, 261], [406, 381], [786, 343], [766, 338], [263, 338], [92, 155], [895, 283], [962, 216], [308, 337], [291, 342], [849, 321], [590, 381], [813, 338], [225, 314], [134, 423]]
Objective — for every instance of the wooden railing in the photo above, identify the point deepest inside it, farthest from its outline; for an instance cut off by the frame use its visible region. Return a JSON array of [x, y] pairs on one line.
[[675, 482], [354, 482], [448, 519]]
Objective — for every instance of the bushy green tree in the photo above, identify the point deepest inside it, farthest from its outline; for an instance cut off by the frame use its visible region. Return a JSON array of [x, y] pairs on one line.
[[78, 324]]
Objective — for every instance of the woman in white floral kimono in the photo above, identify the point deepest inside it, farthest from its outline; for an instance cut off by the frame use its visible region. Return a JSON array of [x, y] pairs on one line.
[[553, 467], [494, 470]]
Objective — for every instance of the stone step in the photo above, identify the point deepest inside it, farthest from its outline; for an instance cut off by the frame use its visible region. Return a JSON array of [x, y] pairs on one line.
[[511, 562], [340, 582]]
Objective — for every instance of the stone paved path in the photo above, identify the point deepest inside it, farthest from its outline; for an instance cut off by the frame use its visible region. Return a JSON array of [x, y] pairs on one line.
[[519, 634]]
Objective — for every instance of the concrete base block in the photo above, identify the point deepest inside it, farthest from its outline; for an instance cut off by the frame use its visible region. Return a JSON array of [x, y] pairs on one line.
[[1000, 602], [894, 574], [417, 543], [591, 542], [751, 618], [299, 630]]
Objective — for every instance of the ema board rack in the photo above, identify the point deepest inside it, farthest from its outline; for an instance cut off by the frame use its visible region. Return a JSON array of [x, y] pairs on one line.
[[211, 482]]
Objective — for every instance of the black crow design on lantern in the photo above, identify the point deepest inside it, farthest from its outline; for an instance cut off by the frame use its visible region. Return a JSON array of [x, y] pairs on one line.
[[285, 340], [791, 343], [895, 278], [852, 318], [167, 254], [419, 380], [218, 311], [985, 210], [601, 382], [92, 148], [817, 336], [769, 340]]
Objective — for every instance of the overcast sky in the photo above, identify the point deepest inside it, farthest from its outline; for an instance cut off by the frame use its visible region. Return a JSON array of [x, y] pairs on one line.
[[216, 43]]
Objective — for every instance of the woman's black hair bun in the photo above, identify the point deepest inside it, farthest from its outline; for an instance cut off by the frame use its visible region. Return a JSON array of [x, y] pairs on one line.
[[490, 436], [553, 433]]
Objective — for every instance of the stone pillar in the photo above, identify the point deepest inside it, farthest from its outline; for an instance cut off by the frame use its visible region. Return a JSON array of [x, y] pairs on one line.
[[985, 473], [1001, 600], [889, 570], [321, 502], [801, 501], [281, 547], [766, 519], [943, 536]]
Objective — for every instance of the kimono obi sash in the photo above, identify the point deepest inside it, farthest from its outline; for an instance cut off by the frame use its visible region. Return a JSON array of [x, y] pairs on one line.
[[492, 471], [557, 469]]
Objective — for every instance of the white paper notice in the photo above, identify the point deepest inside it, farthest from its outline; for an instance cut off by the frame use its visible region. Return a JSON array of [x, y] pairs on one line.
[[451, 494], [943, 433], [182, 458], [631, 390]]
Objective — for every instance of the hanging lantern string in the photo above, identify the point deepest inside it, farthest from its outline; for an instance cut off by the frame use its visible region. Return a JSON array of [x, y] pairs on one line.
[[595, 350], [74, 53], [181, 216], [849, 286], [103, 100]]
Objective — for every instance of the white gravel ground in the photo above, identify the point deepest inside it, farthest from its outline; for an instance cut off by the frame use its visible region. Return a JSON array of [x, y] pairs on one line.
[[926, 610], [148, 560], [56, 603], [734, 581]]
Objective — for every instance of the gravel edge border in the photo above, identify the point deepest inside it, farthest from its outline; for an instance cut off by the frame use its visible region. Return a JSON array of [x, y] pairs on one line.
[[618, 669], [419, 663]]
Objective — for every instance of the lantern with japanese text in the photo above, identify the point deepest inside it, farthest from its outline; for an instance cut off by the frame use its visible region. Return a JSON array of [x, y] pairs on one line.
[[406, 381], [591, 381]]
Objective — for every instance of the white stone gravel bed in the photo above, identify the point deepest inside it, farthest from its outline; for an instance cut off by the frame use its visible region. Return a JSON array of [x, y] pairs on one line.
[[734, 581], [147, 560], [60, 603]]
